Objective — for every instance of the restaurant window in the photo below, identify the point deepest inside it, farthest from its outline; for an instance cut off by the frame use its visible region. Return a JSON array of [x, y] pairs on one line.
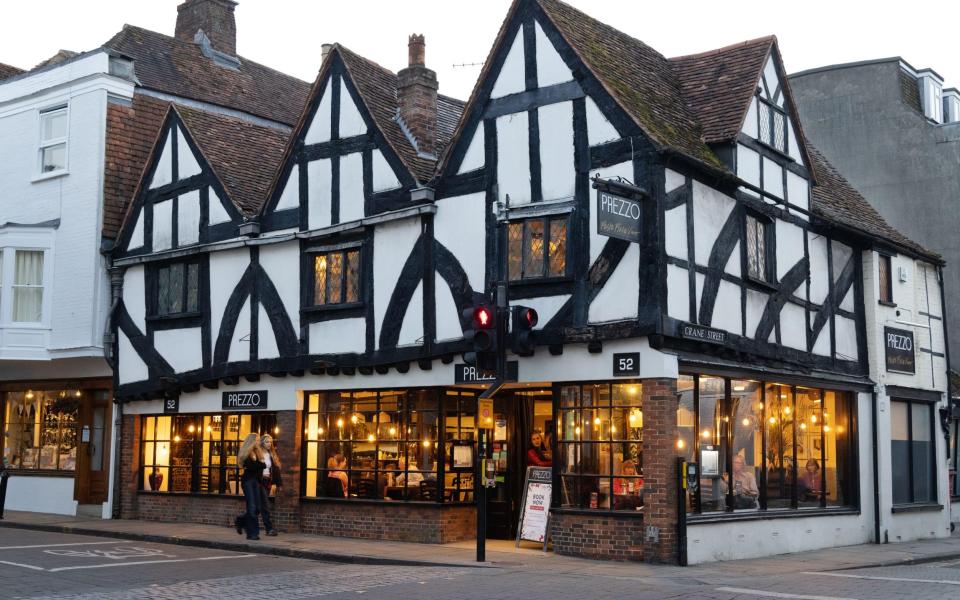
[[773, 125], [40, 429], [913, 452], [767, 446], [336, 277], [885, 279], [197, 453], [386, 445], [600, 446], [177, 289], [53, 140], [537, 248], [758, 248]]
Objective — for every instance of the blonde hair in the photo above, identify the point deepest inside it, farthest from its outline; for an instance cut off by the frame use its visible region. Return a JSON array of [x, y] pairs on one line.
[[250, 446], [274, 458]]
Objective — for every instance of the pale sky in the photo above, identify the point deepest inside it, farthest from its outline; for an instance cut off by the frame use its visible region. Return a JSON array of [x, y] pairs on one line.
[[287, 34]]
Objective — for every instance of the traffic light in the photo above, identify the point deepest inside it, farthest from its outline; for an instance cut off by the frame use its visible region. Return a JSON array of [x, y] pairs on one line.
[[523, 320], [481, 331]]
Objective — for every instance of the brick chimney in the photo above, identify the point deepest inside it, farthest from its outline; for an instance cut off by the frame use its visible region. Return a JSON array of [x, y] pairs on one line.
[[214, 17], [417, 96]]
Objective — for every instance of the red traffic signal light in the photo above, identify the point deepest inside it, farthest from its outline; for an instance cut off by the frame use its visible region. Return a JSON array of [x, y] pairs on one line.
[[528, 317], [482, 317]]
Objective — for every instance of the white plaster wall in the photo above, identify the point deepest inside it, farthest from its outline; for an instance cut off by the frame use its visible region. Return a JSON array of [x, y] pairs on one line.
[[511, 78], [163, 225], [383, 176], [393, 243], [240, 341], [599, 128], [163, 173], [710, 211], [546, 307], [351, 123], [182, 348], [219, 214], [847, 303], [750, 121], [699, 280], [822, 345], [290, 197], [351, 187], [460, 227], [578, 364], [819, 274], [841, 254], [266, 340], [597, 241], [136, 237], [226, 269], [798, 191], [672, 180], [789, 249], [319, 182], [474, 157], [772, 178], [678, 293], [748, 165], [551, 69], [319, 130], [339, 336], [726, 310], [793, 148], [793, 327], [41, 494], [620, 297], [131, 367], [556, 151], [447, 315], [133, 296], [513, 158], [188, 218], [411, 331], [282, 264], [187, 163], [675, 227], [756, 303]]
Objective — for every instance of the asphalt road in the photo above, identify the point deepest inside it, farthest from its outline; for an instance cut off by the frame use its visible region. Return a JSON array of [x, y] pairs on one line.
[[53, 565]]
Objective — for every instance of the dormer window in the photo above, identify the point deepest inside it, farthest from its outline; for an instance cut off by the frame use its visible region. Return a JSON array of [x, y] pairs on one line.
[[772, 125], [931, 94]]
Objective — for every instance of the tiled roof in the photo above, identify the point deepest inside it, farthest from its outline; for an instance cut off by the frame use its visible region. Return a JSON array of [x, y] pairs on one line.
[[719, 85], [449, 111], [178, 67], [8, 71], [243, 156], [131, 132], [59, 57], [834, 199]]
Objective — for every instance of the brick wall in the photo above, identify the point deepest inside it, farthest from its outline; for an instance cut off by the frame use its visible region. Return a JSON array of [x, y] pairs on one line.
[[603, 535], [660, 470], [402, 522]]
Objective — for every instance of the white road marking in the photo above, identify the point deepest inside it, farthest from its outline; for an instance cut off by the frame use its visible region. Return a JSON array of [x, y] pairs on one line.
[[148, 562], [879, 578], [7, 562], [58, 545], [765, 594]]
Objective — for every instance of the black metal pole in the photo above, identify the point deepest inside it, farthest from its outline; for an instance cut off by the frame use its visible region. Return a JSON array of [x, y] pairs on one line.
[[481, 499], [681, 512], [4, 476]]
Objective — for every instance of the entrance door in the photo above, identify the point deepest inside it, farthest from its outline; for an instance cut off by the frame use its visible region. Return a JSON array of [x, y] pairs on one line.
[[93, 449], [519, 414]]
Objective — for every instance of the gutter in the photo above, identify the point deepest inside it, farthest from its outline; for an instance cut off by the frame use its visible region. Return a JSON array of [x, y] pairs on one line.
[[876, 466]]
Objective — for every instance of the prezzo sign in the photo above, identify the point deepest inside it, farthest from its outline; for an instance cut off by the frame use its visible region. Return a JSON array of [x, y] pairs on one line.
[[618, 217], [898, 349], [703, 333], [464, 373], [255, 400], [535, 514]]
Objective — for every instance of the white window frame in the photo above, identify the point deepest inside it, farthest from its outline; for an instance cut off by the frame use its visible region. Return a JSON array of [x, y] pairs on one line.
[[14, 286], [43, 144], [26, 239]]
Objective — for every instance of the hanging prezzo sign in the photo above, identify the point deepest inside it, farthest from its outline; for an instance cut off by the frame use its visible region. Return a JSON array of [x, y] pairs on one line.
[[250, 400], [619, 210], [898, 349]]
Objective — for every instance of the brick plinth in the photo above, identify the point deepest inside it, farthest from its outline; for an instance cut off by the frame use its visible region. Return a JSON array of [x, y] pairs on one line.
[[601, 536], [400, 522], [660, 470]]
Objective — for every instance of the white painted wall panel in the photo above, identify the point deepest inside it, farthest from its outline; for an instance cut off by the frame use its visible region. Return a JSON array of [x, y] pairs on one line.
[[551, 69], [341, 336], [556, 151], [511, 78], [756, 303], [266, 340], [187, 163], [411, 332], [162, 225], [513, 158], [240, 342], [351, 187], [163, 174], [678, 293], [218, 214], [319, 184], [672, 180], [475, 155], [789, 248], [821, 346], [131, 367], [134, 299], [351, 123], [447, 317], [726, 310], [282, 264], [393, 243], [770, 74], [597, 241], [847, 303], [793, 148], [319, 130], [599, 128], [676, 231], [733, 263], [383, 176], [182, 348], [750, 121], [53, 495], [459, 226], [226, 269], [546, 307], [793, 327], [620, 296], [188, 218], [798, 191], [290, 196], [846, 338], [841, 254], [699, 280], [136, 237], [748, 165], [772, 178], [710, 211], [819, 275]]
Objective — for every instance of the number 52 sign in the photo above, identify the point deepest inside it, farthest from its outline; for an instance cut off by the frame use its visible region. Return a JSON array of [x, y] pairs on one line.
[[626, 364]]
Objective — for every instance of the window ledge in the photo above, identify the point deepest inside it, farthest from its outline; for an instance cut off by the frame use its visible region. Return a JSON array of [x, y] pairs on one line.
[[766, 285], [40, 473], [176, 317], [50, 175], [886, 303], [924, 507], [193, 494], [321, 308], [778, 152], [760, 515], [599, 512], [533, 281], [376, 502]]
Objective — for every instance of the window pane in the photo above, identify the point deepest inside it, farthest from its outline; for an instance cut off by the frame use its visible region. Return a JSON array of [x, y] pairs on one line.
[[533, 248], [900, 451], [353, 276], [779, 131], [193, 285], [515, 250], [779, 436], [175, 293], [29, 268], [686, 441], [764, 114], [27, 305], [334, 277], [713, 444], [756, 249], [809, 458], [924, 483], [54, 158], [54, 125], [884, 272], [163, 291], [28, 287], [558, 247], [320, 277], [746, 407], [838, 452]]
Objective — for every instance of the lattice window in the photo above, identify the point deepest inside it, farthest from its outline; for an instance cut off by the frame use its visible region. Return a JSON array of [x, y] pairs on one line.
[[537, 248], [757, 264], [336, 277]]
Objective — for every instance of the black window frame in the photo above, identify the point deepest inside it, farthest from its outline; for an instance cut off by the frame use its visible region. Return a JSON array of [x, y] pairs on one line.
[[934, 487], [154, 276], [310, 293], [885, 294], [545, 272], [773, 111], [769, 275]]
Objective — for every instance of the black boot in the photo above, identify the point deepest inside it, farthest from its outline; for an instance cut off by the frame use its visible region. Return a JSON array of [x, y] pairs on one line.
[[238, 523]]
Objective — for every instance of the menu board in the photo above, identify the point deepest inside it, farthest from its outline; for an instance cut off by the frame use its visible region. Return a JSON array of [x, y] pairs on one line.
[[535, 516]]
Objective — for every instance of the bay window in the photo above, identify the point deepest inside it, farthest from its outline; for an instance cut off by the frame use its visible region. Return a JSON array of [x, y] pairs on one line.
[[40, 429], [28, 286]]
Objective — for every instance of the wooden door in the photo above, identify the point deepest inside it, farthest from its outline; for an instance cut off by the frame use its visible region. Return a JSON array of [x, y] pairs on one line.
[[93, 449]]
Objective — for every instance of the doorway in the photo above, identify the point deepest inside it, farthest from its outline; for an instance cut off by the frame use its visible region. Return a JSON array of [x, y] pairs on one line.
[[93, 449], [518, 415]]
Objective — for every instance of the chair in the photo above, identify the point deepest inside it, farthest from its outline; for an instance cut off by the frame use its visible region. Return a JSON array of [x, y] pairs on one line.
[[428, 490], [333, 487], [366, 488]]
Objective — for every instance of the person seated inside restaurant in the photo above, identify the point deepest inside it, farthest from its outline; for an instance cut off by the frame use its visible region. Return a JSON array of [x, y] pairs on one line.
[[336, 465], [537, 455], [745, 490], [811, 481], [387, 479], [412, 477], [627, 490]]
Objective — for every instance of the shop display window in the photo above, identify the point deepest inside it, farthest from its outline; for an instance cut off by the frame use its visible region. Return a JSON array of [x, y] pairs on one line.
[[40, 429], [600, 446], [913, 452], [764, 446], [390, 445], [197, 453]]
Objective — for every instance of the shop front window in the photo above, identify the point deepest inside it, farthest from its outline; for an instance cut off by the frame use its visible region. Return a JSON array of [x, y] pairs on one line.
[[197, 453], [387, 445], [913, 452], [600, 446], [40, 430], [767, 446]]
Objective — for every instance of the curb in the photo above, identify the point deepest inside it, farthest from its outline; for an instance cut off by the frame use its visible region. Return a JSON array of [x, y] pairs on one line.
[[920, 560], [317, 555]]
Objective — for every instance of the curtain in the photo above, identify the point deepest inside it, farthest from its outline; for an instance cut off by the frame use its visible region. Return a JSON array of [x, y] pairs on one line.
[[28, 287]]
